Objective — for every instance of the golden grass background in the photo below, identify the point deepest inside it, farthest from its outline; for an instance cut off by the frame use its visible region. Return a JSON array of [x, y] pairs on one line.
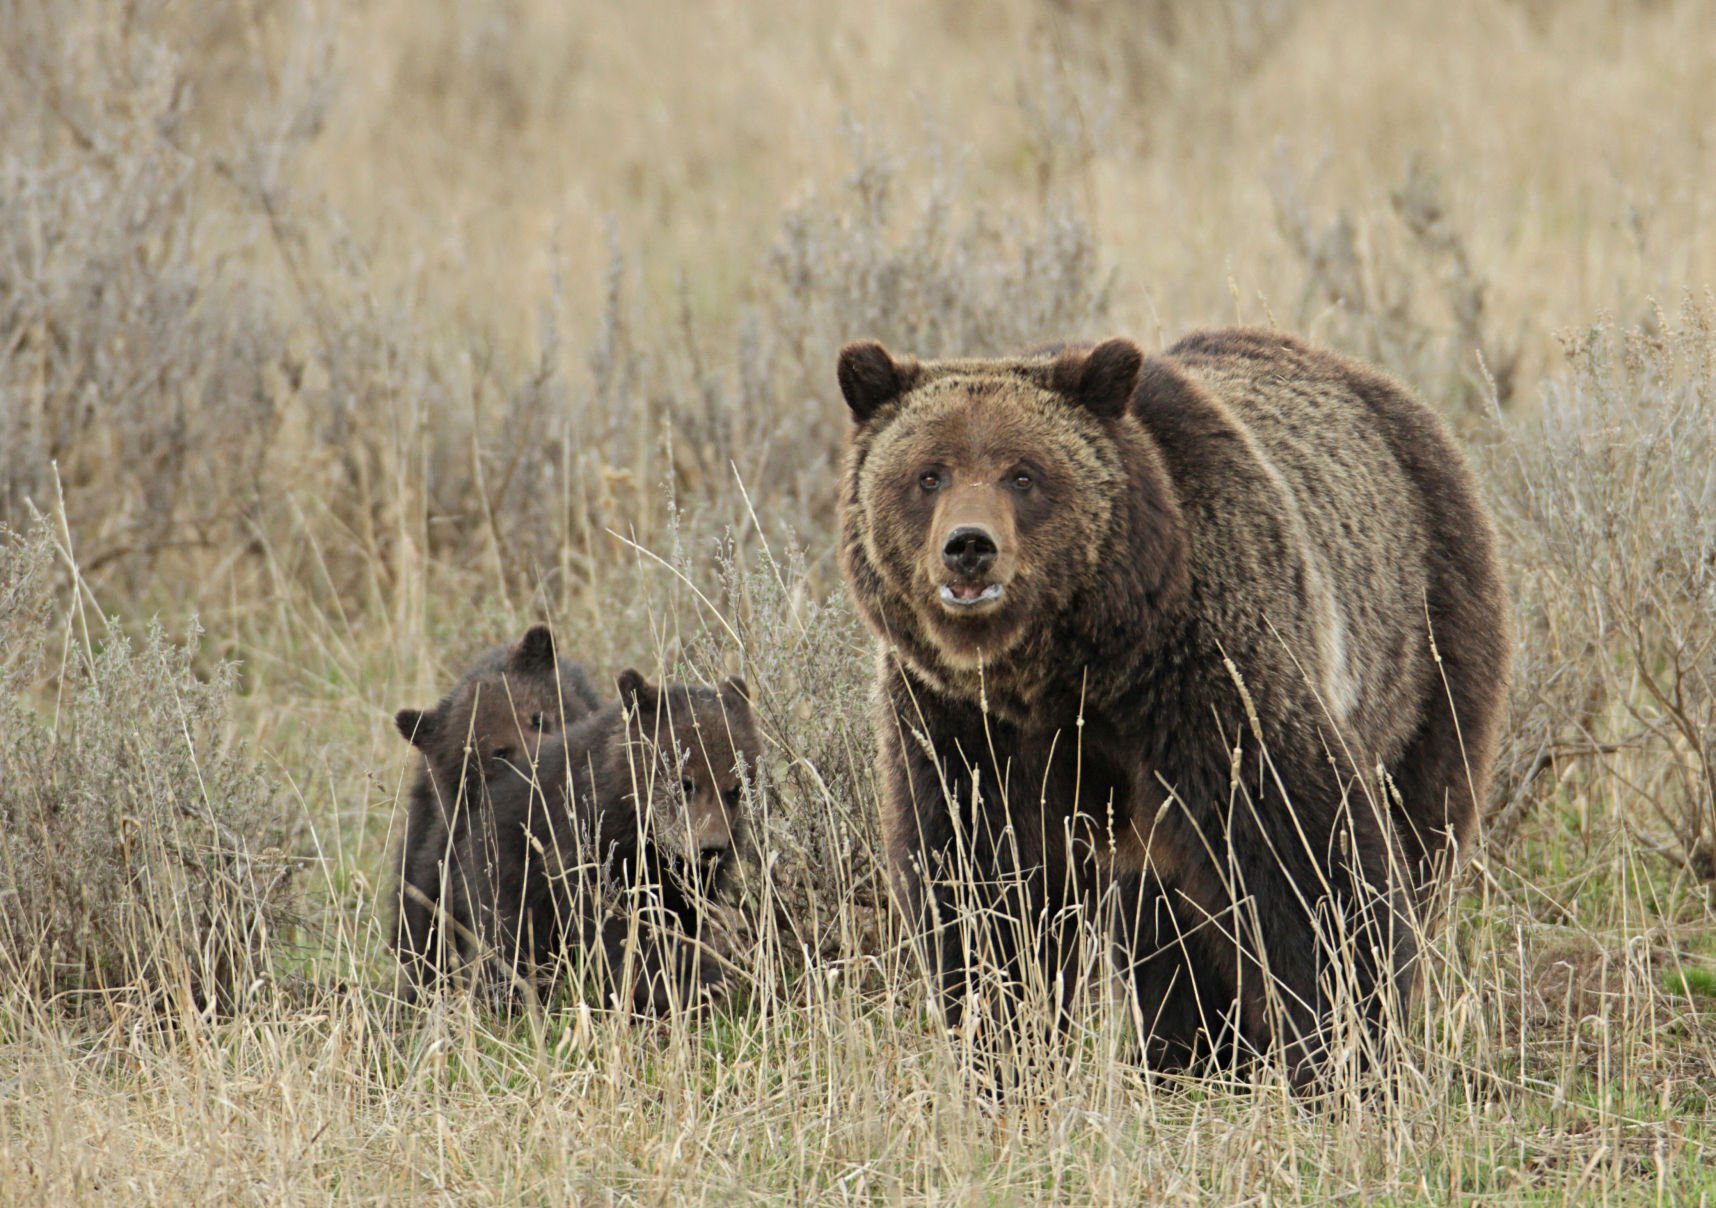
[[366, 333]]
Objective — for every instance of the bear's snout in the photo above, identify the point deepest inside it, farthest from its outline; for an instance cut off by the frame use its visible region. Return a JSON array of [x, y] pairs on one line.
[[711, 831], [969, 551]]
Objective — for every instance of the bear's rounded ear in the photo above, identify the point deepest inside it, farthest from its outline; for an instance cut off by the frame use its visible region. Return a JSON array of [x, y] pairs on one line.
[[635, 688], [535, 650], [870, 378], [735, 692], [1101, 380], [417, 726]]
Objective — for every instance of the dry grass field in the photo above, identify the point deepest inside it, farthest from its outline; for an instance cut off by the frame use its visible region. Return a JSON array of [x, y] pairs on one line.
[[339, 341]]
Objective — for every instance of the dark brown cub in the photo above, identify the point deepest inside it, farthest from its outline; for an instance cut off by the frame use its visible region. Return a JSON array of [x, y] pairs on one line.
[[606, 857], [496, 717]]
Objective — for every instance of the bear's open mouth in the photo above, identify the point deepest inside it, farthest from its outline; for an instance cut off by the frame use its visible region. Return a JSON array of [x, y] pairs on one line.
[[969, 595]]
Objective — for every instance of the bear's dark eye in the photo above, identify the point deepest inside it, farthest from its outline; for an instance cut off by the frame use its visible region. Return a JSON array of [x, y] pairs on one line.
[[688, 787], [502, 755], [930, 480], [538, 722], [1021, 481]]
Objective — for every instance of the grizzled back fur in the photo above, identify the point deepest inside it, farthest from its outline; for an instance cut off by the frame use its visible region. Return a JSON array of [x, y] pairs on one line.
[[632, 817], [1232, 613], [499, 713]]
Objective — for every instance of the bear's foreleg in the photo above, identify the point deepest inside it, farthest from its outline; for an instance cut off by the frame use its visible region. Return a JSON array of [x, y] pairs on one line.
[[512, 873], [1263, 928], [993, 896], [432, 917]]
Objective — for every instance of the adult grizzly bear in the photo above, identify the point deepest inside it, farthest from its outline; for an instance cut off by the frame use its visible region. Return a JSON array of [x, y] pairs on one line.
[[1215, 641], [510, 701], [605, 850]]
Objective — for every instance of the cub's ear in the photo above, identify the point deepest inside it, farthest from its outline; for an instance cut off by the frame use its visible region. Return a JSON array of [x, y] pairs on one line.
[[417, 726], [735, 693], [871, 379], [634, 687], [535, 650], [1101, 380]]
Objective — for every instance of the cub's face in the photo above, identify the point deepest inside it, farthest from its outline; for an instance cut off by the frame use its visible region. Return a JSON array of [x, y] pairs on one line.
[[503, 721], [498, 714], [980, 494], [691, 750]]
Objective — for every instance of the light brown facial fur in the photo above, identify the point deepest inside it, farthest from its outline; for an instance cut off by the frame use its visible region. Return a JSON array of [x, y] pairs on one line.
[[689, 750], [986, 500]]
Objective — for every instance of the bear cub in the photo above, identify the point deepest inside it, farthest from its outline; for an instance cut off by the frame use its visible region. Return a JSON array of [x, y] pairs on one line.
[[601, 857], [497, 715]]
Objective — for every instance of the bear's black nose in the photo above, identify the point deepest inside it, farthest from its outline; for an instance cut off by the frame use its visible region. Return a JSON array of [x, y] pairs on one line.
[[969, 551]]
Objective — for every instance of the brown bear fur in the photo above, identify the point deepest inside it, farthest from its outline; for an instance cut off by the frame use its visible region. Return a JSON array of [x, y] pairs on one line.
[[509, 702], [1150, 628], [605, 854]]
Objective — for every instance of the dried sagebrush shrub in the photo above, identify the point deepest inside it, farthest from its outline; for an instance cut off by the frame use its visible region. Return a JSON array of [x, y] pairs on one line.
[[1608, 498], [139, 856]]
